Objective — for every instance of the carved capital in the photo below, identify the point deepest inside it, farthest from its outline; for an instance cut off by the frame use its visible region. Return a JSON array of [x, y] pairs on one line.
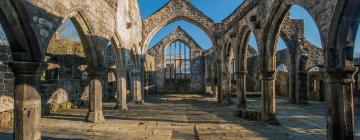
[[27, 69], [339, 74], [96, 71]]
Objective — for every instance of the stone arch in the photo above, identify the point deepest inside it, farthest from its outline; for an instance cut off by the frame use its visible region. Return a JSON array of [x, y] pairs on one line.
[[340, 45], [277, 18], [177, 34], [339, 70], [118, 48], [120, 72], [86, 37], [243, 48], [173, 11], [19, 33], [180, 35]]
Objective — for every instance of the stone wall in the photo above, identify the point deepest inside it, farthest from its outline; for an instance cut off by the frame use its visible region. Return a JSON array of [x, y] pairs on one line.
[[6, 87], [195, 84], [64, 81]]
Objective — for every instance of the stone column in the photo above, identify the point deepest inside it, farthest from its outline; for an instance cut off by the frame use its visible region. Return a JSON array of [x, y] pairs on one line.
[[301, 88], [27, 107], [226, 88], [268, 97], [136, 87], [122, 92], [95, 114], [292, 73], [142, 78], [241, 89], [339, 102], [301, 80]]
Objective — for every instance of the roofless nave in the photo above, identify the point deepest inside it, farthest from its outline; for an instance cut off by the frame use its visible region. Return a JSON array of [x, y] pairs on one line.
[[107, 82]]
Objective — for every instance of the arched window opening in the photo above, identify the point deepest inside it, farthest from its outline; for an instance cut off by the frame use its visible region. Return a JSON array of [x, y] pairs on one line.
[[178, 61], [282, 68], [65, 79], [315, 88], [253, 44]]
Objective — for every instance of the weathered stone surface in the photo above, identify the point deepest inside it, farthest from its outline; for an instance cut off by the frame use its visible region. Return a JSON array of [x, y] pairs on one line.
[[31, 24], [195, 84]]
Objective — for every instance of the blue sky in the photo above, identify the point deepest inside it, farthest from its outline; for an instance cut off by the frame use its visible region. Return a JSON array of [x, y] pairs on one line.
[[218, 11]]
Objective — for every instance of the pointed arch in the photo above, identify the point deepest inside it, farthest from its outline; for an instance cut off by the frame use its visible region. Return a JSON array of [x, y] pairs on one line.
[[85, 34], [118, 48], [342, 35], [21, 37], [272, 29], [173, 11]]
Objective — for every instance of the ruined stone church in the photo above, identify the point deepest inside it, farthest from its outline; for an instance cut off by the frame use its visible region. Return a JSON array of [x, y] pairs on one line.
[[110, 82]]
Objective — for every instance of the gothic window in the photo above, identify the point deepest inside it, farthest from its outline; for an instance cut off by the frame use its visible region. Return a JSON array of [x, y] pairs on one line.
[[177, 61]]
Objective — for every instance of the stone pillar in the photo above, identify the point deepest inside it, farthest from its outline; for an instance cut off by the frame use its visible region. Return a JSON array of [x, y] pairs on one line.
[[339, 102], [136, 87], [122, 92], [214, 86], [142, 78], [27, 108], [301, 80], [226, 88], [241, 89], [301, 88], [268, 97], [95, 114]]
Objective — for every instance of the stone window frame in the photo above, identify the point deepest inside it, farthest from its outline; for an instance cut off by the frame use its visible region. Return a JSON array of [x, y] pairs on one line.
[[180, 73]]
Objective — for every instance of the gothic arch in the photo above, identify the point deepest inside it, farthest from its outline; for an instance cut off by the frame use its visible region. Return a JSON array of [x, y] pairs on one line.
[[177, 34], [277, 18], [20, 35], [243, 48], [173, 11], [118, 50], [342, 34], [86, 37]]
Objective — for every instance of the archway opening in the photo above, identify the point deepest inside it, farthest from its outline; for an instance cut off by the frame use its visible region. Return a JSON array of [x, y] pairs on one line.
[[299, 47], [110, 81], [65, 83], [253, 81], [300, 50]]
